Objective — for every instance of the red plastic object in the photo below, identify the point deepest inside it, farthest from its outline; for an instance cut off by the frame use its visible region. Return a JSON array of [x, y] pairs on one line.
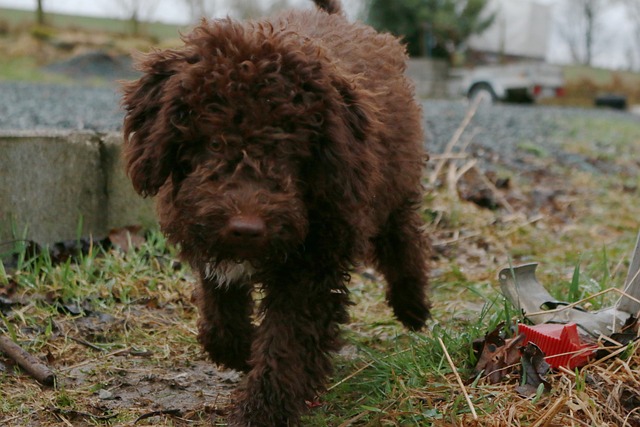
[[560, 343]]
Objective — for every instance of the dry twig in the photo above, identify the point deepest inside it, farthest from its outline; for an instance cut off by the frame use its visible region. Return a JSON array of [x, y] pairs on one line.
[[548, 416], [453, 141], [26, 361], [460, 383]]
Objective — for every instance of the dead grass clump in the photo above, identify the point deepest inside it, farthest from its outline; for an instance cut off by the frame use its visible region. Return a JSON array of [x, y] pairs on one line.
[[610, 388], [603, 393], [583, 89], [5, 27]]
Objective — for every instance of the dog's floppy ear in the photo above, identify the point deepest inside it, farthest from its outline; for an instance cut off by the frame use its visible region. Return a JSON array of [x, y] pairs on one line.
[[150, 134], [347, 169], [356, 111]]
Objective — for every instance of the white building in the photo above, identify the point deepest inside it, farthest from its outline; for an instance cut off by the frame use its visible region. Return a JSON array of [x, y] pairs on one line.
[[522, 28]]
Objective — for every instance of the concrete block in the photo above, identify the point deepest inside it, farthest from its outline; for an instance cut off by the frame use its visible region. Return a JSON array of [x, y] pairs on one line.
[[51, 186], [126, 207], [59, 186]]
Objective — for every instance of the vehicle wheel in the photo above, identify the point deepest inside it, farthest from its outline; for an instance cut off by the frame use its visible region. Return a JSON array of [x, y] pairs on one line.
[[483, 94]]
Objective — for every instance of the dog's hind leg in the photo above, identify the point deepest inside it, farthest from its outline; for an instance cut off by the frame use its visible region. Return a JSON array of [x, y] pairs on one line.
[[291, 352], [401, 251], [224, 326]]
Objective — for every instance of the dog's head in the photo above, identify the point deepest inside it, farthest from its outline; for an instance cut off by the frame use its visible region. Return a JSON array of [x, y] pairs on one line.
[[243, 131]]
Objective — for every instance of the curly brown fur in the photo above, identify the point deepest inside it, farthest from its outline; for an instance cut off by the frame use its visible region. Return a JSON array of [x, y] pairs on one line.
[[283, 151]]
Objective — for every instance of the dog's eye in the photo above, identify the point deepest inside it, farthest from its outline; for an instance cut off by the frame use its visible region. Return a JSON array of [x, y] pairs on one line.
[[193, 59], [215, 144]]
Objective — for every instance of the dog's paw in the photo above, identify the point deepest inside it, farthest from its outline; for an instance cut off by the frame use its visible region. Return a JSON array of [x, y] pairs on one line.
[[240, 418], [412, 314]]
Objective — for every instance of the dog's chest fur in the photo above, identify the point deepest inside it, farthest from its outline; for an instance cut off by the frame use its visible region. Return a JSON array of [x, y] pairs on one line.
[[229, 273]]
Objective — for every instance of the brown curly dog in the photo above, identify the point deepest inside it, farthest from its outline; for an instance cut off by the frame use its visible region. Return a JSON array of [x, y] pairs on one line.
[[282, 152]]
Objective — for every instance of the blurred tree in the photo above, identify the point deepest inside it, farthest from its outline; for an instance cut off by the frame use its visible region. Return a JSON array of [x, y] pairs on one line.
[[247, 9], [436, 28], [137, 10], [199, 9], [196, 9], [582, 29], [241, 9], [633, 9], [40, 13]]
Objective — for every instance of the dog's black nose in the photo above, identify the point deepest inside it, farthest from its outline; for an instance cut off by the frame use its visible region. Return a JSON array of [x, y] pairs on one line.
[[246, 227]]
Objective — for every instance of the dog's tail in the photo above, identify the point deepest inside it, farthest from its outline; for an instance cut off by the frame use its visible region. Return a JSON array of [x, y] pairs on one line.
[[329, 6]]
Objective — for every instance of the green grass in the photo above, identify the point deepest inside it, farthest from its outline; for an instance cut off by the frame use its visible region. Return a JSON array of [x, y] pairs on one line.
[[27, 69], [388, 377], [158, 30], [87, 302], [396, 382]]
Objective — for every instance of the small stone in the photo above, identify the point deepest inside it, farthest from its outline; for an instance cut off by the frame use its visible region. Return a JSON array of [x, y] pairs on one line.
[[105, 395]]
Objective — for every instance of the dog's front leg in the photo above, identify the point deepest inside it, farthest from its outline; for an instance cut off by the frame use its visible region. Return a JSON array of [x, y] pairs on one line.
[[402, 251], [291, 351], [224, 327]]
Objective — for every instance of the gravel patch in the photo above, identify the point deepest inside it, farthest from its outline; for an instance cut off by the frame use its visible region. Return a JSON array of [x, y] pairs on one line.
[[29, 106], [498, 132], [510, 135]]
